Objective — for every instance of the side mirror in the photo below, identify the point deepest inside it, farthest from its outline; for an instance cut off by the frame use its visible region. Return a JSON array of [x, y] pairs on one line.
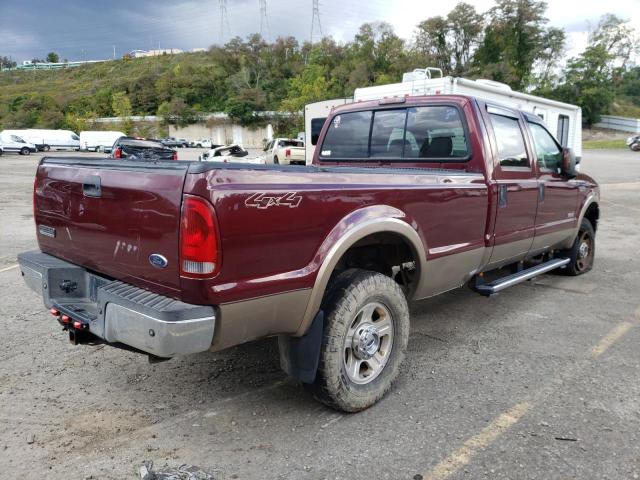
[[568, 165]]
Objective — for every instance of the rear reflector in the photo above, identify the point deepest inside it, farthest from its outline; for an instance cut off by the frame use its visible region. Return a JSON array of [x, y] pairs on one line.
[[287, 152], [199, 242], [174, 156], [117, 153]]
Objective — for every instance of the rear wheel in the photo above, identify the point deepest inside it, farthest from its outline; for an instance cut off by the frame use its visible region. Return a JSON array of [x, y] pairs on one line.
[[635, 147], [582, 252], [46, 148], [25, 151], [365, 338], [275, 160]]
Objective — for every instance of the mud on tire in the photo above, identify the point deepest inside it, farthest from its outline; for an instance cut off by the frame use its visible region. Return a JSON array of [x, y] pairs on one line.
[[366, 315]]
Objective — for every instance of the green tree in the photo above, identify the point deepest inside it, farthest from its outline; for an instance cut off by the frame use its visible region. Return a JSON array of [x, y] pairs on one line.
[[177, 112], [121, 106], [513, 40], [52, 57]]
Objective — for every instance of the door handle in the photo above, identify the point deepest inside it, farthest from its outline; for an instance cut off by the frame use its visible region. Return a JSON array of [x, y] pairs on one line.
[[91, 186], [502, 196]]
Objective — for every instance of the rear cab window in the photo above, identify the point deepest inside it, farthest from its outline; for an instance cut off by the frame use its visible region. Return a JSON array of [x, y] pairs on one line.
[[432, 133]]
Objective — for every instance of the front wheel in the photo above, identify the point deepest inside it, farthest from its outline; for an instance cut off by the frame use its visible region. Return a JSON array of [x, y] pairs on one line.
[[635, 147], [582, 253], [25, 151], [364, 342]]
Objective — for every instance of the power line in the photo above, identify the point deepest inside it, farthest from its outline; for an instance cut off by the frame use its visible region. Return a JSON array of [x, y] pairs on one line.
[[224, 21], [316, 26], [265, 32]]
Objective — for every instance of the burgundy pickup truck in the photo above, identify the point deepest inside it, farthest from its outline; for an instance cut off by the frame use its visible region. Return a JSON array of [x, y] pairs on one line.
[[406, 198]]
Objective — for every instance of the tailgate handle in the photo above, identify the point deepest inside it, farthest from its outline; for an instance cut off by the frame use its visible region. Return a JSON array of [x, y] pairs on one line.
[[91, 186]]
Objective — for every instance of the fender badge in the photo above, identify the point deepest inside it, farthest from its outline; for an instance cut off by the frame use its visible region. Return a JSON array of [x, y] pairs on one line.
[[158, 260], [264, 200]]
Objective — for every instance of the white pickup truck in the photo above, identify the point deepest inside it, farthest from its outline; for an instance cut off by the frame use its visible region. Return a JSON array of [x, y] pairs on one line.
[[285, 151]]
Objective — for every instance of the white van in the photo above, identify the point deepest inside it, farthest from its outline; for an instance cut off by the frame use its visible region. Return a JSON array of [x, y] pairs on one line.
[[98, 140], [14, 143], [46, 140]]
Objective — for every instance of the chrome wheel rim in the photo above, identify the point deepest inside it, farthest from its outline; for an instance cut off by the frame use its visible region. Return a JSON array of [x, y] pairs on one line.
[[585, 252], [368, 343]]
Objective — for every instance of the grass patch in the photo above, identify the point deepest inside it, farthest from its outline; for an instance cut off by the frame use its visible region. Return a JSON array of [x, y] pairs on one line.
[[604, 144]]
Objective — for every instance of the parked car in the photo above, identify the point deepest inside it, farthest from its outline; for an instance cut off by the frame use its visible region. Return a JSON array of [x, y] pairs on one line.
[[175, 142], [224, 153], [98, 140], [46, 140], [634, 143], [406, 198], [285, 151], [203, 143], [1, 150], [14, 143], [134, 148]]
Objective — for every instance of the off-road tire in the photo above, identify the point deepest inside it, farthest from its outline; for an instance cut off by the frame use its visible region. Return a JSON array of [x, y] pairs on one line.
[[347, 295], [577, 264]]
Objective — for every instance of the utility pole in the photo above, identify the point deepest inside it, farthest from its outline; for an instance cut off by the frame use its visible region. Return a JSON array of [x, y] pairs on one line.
[[316, 26], [224, 20], [264, 20], [114, 52]]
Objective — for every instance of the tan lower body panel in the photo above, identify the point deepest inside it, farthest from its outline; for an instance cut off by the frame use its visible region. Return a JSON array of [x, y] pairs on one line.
[[445, 273], [247, 320]]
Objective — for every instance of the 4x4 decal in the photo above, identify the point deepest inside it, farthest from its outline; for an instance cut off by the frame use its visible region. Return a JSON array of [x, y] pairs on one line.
[[266, 200]]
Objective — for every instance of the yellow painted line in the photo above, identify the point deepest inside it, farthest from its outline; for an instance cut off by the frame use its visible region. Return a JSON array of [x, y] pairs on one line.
[[6, 269], [610, 338], [487, 436]]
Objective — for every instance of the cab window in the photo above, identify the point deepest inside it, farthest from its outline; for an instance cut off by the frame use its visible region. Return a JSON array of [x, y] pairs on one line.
[[387, 134], [347, 136], [17, 139], [548, 153], [437, 132], [511, 149]]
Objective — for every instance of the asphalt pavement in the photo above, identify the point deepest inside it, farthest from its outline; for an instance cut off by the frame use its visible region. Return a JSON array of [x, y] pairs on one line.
[[538, 382]]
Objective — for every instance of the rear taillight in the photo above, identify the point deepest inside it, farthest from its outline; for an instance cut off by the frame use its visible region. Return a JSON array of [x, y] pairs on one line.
[[174, 156], [287, 152], [117, 153], [199, 239]]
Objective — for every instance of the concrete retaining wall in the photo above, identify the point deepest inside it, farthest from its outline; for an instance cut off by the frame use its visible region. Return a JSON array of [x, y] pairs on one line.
[[225, 133]]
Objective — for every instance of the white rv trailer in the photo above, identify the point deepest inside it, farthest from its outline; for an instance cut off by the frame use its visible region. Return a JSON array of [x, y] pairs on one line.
[[314, 116], [99, 140], [563, 120], [45, 139]]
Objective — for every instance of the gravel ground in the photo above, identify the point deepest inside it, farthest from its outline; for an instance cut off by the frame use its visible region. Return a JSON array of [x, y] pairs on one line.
[[540, 382]]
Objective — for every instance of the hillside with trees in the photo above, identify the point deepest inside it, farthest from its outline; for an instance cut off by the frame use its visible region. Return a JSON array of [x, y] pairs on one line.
[[511, 43]]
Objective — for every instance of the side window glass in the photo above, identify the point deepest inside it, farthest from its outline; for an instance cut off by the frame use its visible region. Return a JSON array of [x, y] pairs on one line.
[[511, 149], [563, 129], [435, 132], [316, 127], [347, 136], [387, 134], [548, 154]]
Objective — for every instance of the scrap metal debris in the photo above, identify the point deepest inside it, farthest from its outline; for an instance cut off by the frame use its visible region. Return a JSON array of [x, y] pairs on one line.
[[183, 472]]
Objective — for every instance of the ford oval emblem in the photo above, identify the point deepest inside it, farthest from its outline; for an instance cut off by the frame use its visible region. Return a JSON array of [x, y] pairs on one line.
[[158, 260]]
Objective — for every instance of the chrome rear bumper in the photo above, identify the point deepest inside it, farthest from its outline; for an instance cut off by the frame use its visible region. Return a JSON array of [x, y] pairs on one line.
[[117, 312]]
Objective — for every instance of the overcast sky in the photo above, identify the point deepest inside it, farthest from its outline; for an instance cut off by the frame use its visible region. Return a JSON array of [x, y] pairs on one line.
[[88, 30]]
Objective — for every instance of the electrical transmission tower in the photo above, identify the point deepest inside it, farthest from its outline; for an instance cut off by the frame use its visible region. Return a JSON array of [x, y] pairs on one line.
[[316, 26], [224, 21], [264, 20]]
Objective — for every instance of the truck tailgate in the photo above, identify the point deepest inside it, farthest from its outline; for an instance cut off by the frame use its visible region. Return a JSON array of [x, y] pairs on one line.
[[110, 216]]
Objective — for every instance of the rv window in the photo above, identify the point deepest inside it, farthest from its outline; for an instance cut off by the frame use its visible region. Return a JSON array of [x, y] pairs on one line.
[[548, 154], [316, 127], [347, 136], [511, 149], [387, 134], [437, 132], [563, 130]]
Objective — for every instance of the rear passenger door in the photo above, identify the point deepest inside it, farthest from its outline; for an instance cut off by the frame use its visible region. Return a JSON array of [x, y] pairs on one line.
[[516, 185], [558, 196]]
